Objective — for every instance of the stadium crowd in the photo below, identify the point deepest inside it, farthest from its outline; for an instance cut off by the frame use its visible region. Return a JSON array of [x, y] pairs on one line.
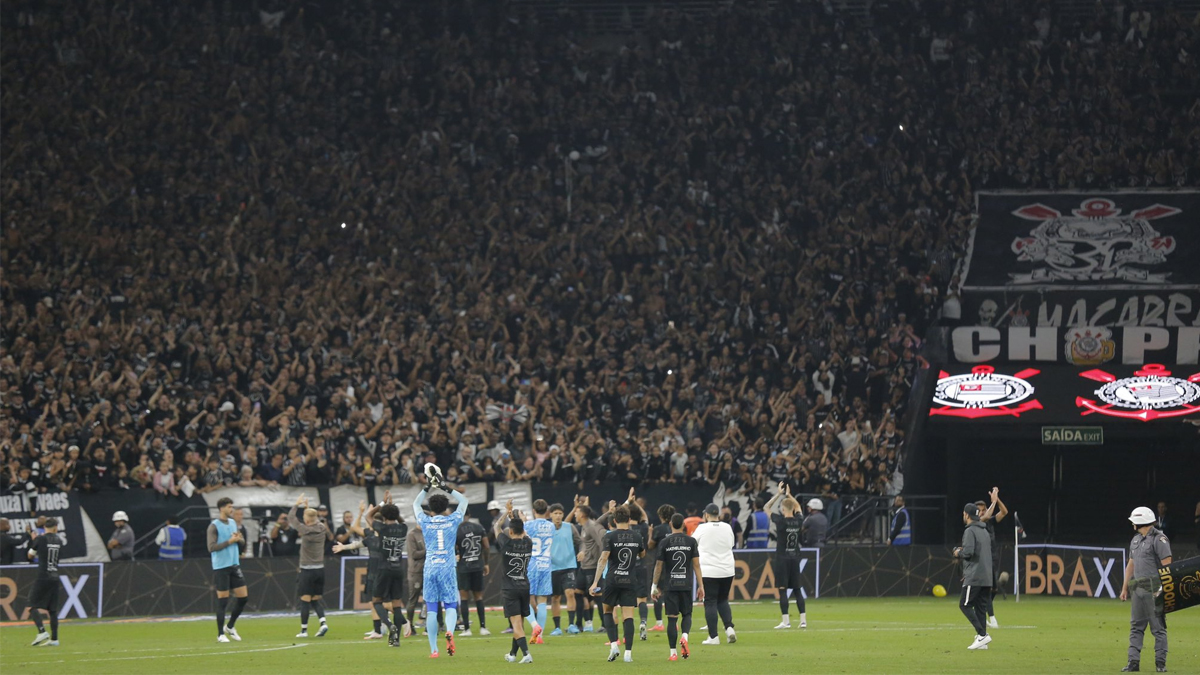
[[323, 246]]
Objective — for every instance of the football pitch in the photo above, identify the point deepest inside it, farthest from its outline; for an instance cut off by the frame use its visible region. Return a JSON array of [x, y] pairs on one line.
[[906, 635]]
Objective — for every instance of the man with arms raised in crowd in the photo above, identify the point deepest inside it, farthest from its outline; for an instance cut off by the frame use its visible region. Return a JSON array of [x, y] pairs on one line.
[[441, 574], [622, 548], [679, 558], [44, 599], [223, 539], [313, 535], [515, 551], [472, 568], [787, 553]]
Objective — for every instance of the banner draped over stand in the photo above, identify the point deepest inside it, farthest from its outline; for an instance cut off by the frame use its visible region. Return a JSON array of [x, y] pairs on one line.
[[1125, 258]]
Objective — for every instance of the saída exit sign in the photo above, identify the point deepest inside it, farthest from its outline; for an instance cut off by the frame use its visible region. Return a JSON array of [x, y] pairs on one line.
[[1072, 435]]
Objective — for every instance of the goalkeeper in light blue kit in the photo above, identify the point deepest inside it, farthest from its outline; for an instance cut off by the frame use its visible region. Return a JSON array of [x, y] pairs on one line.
[[541, 531], [441, 569]]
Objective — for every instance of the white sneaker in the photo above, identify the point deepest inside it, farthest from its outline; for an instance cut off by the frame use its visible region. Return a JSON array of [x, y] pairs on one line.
[[41, 637], [371, 634], [730, 635], [980, 641], [711, 641], [465, 633], [302, 634], [992, 622], [803, 620], [628, 657], [510, 658], [233, 634], [529, 658], [784, 624], [222, 638], [323, 630], [484, 631], [54, 643]]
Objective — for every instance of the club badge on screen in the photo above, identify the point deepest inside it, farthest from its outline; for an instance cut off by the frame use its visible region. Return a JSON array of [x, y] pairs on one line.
[[1150, 394], [984, 393]]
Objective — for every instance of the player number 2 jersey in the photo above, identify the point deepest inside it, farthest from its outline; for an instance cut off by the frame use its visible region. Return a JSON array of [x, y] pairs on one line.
[[676, 552]]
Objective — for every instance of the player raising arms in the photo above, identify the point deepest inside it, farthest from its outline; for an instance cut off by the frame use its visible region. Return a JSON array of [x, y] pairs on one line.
[[620, 553], [441, 572], [313, 535], [516, 548], [679, 557], [787, 553], [223, 538], [386, 542]]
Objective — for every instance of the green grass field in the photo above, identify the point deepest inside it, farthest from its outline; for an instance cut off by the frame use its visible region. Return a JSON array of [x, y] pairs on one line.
[[911, 635]]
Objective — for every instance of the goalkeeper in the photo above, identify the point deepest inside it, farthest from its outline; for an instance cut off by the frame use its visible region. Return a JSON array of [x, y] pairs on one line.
[[441, 569]]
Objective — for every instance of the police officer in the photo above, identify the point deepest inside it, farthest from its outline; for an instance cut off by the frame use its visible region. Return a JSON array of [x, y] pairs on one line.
[[816, 525], [1149, 550]]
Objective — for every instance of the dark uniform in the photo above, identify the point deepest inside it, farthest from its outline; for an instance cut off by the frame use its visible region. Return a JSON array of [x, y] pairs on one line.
[[643, 572], [660, 532], [389, 538], [787, 553], [470, 556], [45, 589], [514, 586], [1147, 553], [676, 551], [621, 586], [374, 559], [9, 543]]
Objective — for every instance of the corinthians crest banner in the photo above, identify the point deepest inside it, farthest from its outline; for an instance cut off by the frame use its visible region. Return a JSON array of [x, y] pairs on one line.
[[1084, 259], [1152, 393]]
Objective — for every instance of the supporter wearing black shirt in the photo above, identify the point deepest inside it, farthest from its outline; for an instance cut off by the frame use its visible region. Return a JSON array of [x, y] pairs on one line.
[[516, 549], [788, 526], [675, 575], [44, 598]]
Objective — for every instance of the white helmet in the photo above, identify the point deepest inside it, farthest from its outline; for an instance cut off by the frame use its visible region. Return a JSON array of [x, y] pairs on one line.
[[120, 515], [815, 504], [1142, 516]]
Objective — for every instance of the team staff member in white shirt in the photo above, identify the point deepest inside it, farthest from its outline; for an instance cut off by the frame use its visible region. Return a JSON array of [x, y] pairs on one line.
[[715, 540]]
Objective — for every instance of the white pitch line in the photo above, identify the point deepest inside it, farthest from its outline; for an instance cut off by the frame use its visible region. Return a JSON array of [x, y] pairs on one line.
[[212, 653]]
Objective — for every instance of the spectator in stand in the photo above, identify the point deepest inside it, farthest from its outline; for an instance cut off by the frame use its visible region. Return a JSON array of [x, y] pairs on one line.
[[597, 302]]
